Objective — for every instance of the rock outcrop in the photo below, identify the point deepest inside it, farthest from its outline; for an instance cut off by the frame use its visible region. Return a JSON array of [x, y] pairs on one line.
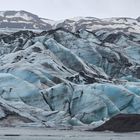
[[121, 123]]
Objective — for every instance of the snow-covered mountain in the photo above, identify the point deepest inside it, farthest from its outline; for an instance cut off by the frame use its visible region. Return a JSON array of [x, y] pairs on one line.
[[92, 24], [23, 20], [71, 75], [26, 20]]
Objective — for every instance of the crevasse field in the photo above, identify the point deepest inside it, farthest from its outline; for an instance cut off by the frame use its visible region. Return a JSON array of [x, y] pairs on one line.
[[79, 73]]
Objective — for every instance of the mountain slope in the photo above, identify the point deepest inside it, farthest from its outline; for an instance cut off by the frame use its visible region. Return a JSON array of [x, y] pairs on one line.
[[93, 24], [23, 20]]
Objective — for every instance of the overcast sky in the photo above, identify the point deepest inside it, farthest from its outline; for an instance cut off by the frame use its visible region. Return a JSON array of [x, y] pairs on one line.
[[60, 9]]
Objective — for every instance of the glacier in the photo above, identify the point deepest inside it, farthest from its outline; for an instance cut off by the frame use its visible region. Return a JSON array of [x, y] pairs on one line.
[[64, 77]]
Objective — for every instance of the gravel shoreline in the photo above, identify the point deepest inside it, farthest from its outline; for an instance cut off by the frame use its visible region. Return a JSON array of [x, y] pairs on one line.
[[52, 134]]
